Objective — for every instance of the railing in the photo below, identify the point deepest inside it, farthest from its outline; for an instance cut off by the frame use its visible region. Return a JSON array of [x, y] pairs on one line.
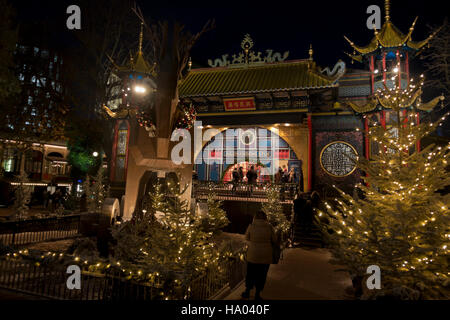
[[211, 284], [243, 191], [50, 281], [23, 232]]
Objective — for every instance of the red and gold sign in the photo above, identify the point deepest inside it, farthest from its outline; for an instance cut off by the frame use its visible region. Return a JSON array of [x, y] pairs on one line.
[[239, 104]]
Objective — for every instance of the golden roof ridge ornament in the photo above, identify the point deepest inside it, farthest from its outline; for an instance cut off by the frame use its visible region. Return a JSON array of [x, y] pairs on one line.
[[387, 7], [248, 57], [389, 36], [141, 36]]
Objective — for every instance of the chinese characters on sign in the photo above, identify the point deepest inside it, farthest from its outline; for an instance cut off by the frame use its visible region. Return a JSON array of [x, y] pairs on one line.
[[239, 104]]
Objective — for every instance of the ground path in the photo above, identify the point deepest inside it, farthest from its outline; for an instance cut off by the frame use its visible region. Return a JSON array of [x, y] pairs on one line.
[[303, 274]]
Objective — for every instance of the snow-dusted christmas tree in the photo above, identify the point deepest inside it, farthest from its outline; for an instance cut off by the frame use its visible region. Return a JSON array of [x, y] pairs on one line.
[[401, 223]]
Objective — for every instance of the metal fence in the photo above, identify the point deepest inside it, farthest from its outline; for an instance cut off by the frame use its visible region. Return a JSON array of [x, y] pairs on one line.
[[243, 191], [24, 232], [50, 281]]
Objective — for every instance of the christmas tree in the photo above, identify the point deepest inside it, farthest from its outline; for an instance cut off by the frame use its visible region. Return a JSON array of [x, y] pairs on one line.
[[216, 218], [274, 211], [22, 196], [401, 221], [165, 239], [96, 191]]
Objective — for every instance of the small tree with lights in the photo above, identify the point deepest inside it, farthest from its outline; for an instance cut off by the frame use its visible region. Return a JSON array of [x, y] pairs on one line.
[[165, 239], [22, 196], [401, 223], [275, 215], [216, 218], [96, 190]]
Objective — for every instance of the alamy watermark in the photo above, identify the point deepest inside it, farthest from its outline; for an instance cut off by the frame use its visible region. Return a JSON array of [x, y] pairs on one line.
[[220, 147]]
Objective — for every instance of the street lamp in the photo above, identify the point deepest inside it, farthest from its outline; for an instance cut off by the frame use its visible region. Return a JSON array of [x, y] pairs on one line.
[[95, 154]]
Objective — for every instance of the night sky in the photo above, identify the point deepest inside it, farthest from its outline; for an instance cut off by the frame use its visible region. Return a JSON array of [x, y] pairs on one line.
[[277, 25]]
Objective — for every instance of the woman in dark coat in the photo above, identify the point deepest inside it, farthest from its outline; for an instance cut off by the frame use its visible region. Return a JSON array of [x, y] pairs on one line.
[[260, 237]]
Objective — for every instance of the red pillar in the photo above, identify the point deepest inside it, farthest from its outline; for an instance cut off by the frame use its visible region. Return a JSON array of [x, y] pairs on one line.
[[366, 137], [126, 151], [384, 67], [309, 152], [113, 154], [372, 68], [399, 71]]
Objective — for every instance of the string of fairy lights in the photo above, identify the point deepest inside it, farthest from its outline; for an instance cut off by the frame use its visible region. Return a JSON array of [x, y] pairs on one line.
[[209, 258], [403, 176]]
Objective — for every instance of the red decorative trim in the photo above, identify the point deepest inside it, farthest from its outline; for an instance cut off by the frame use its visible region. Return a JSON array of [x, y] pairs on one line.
[[126, 151], [399, 70], [114, 152], [366, 137], [384, 67], [309, 152], [372, 68], [383, 119]]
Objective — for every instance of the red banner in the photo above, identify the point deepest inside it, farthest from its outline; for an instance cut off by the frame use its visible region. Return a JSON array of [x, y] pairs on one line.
[[239, 104]]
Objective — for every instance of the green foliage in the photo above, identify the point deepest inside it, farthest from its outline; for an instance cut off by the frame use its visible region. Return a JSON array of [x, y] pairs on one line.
[[165, 238], [216, 219], [85, 249], [22, 196], [401, 223], [274, 211], [96, 190]]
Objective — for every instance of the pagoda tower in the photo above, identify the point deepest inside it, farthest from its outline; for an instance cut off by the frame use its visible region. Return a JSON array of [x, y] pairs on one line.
[[388, 56], [388, 53]]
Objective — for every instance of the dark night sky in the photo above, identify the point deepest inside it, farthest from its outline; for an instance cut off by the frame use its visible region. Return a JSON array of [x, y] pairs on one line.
[[277, 25]]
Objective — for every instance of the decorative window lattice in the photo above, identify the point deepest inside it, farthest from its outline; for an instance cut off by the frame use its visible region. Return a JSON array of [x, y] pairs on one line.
[[336, 159]]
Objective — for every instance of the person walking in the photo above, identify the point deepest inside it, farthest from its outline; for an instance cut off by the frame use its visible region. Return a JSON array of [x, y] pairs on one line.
[[278, 175], [241, 174], [45, 196], [236, 178], [251, 178], [261, 238]]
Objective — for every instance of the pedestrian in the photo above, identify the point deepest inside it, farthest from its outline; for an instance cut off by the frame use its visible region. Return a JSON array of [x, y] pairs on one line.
[[83, 203], [261, 238], [292, 177], [251, 178], [45, 195], [278, 175], [241, 174], [235, 179]]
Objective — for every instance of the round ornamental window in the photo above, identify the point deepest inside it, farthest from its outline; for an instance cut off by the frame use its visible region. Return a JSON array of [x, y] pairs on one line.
[[336, 159], [248, 137]]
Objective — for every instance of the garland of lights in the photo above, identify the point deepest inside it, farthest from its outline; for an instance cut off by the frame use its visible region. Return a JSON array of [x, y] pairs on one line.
[[188, 118], [145, 120], [101, 267]]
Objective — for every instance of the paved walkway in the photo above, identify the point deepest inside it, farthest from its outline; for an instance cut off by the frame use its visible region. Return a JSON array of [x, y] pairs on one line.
[[303, 274]]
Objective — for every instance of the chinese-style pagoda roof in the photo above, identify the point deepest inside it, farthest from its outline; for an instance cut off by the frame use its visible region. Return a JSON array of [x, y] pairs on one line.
[[389, 36], [269, 77], [137, 63]]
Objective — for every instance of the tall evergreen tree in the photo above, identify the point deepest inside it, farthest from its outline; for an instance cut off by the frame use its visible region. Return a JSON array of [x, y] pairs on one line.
[[401, 223]]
